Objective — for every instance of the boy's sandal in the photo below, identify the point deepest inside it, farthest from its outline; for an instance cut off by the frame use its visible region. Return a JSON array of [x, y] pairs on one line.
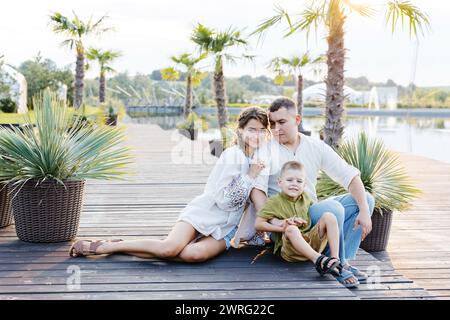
[[78, 250], [345, 275], [361, 276], [323, 268]]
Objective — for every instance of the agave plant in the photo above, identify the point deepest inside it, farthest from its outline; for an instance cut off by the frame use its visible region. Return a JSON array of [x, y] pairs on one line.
[[55, 149], [381, 173]]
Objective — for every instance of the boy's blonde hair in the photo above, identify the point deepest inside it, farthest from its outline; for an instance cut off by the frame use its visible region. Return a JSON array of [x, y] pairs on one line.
[[291, 165]]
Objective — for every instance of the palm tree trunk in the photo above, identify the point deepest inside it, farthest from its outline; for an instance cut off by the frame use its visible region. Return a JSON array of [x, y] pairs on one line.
[[188, 102], [102, 87], [79, 78], [219, 91], [334, 108], [300, 101]]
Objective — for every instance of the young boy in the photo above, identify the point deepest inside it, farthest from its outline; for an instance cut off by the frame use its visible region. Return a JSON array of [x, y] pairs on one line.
[[294, 238]]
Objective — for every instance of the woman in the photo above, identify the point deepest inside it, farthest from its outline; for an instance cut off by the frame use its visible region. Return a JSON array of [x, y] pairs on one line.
[[207, 224]]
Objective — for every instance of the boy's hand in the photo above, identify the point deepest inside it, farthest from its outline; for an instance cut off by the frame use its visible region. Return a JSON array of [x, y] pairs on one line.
[[296, 221], [300, 222]]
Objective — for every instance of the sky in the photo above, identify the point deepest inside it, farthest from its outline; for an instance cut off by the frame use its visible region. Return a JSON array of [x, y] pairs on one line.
[[148, 32]]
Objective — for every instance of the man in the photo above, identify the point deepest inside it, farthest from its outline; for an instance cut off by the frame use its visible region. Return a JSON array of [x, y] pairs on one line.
[[352, 210]]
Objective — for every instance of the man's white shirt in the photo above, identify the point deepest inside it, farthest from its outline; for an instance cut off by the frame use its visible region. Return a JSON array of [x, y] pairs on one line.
[[313, 153]]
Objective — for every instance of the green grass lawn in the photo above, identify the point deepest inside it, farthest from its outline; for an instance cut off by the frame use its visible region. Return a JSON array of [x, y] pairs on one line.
[[15, 118]]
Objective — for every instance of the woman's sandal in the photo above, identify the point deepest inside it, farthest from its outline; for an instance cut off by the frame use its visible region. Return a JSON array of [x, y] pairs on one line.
[[77, 249]]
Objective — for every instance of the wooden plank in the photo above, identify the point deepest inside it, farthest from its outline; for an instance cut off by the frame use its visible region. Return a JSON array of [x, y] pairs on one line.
[[182, 295], [146, 206]]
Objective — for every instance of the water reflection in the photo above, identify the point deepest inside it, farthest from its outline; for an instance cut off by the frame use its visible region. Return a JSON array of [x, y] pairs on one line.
[[428, 137]]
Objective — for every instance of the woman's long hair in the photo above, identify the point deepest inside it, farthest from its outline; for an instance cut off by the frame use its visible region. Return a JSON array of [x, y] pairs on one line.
[[245, 116]]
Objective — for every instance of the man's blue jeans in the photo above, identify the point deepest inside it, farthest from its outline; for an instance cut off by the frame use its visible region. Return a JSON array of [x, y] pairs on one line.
[[346, 210]]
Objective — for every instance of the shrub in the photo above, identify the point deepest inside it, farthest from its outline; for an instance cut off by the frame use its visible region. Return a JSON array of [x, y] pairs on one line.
[[8, 105]]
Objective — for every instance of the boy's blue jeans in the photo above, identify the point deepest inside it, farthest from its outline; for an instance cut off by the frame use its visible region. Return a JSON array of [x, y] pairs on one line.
[[346, 210]]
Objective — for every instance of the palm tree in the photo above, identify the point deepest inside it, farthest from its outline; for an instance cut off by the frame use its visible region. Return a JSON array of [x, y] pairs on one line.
[[332, 14], [104, 58], [294, 67], [76, 30], [217, 43], [193, 76]]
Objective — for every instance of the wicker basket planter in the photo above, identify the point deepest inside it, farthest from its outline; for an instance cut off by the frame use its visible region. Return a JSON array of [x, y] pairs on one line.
[[378, 239], [48, 212], [6, 216]]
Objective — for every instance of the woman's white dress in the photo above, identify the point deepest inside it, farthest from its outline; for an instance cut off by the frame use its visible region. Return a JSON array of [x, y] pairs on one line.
[[218, 210]]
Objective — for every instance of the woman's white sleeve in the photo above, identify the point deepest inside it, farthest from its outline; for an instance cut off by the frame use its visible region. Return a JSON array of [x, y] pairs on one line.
[[232, 187]]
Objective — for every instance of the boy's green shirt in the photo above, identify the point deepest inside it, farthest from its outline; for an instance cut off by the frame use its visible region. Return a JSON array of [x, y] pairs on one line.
[[281, 206]]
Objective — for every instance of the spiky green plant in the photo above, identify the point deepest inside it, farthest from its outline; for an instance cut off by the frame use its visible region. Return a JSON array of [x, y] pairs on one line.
[[381, 173], [55, 149]]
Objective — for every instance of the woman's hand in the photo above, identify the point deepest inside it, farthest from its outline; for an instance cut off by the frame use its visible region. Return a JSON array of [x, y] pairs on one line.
[[282, 224], [255, 169]]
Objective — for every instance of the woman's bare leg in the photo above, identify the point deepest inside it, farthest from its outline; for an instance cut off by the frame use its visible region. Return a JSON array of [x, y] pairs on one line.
[[202, 250], [179, 237]]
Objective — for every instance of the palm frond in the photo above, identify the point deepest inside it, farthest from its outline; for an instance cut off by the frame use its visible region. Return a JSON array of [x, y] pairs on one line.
[[311, 18], [198, 77], [75, 29], [280, 13], [217, 43], [285, 68], [203, 37], [364, 9], [188, 60], [405, 10], [170, 74], [103, 57]]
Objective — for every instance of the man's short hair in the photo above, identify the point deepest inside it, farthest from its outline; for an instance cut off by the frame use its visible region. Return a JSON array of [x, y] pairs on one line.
[[291, 165], [283, 102]]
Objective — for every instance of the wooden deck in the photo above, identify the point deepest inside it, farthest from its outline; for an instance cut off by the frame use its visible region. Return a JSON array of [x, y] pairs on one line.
[[419, 246], [147, 205]]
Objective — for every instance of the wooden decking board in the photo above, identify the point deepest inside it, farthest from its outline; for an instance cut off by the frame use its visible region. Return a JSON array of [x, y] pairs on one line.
[[146, 206]]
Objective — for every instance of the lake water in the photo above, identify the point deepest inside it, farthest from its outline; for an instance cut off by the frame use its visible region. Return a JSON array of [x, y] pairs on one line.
[[429, 137]]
